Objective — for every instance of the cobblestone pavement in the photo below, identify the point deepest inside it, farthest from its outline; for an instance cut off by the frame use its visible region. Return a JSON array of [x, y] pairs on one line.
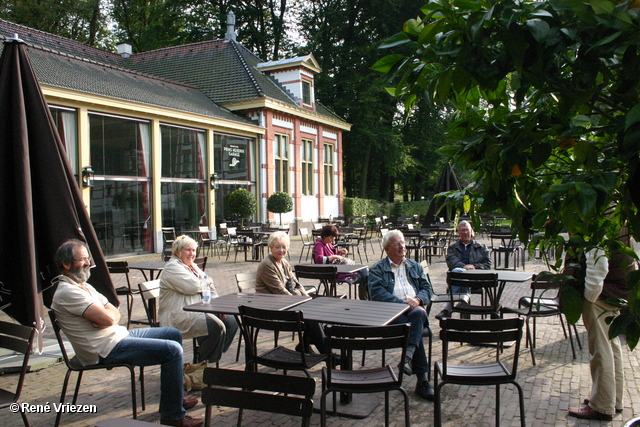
[[556, 384]]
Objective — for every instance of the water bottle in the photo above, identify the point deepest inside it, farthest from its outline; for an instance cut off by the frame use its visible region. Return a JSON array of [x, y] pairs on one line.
[[206, 292]]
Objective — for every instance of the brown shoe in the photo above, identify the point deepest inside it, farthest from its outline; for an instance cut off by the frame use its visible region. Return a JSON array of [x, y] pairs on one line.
[[187, 421], [587, 400], [587, 413], [189, 402]]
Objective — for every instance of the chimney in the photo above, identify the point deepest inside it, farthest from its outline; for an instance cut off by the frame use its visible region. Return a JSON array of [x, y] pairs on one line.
[[231, 23], [125, 50]]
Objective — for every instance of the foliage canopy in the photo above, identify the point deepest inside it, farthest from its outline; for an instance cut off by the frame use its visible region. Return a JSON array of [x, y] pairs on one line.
[[280, 202], [548, 114], [242, 202]]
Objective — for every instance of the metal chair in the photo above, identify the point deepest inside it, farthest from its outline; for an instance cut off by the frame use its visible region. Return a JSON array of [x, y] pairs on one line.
[[122, 267], [254, 320], [19, 339], [486, 283], [169, 236], [205, 242], [307, 243], [326, 274], [246, 283], [201, 262], [258, 391], [375, 380], [74, 366], [539, 305], [505, 246], [479, 332]]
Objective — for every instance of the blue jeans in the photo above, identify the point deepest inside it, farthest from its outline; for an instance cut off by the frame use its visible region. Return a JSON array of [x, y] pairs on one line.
[[156, 346], [417, 318]]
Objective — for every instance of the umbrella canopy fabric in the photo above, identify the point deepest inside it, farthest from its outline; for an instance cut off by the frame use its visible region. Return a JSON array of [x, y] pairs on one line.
[[41, 205], [448, 181]]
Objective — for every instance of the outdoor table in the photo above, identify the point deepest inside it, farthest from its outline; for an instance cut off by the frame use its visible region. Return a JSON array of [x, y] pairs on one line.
[[150, 266], [505, 276], [228, 304], [351, 312]]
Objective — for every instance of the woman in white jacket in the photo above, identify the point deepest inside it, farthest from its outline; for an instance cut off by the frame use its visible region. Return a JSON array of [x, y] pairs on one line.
[[181, 283]]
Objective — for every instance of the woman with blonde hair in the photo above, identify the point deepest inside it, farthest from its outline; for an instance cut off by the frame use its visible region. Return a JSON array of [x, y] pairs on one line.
[[181, 284]]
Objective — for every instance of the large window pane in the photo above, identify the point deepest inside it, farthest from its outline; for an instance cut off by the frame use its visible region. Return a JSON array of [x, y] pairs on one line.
[[184, 205], [120, 200], [66, 121], [183, 154]]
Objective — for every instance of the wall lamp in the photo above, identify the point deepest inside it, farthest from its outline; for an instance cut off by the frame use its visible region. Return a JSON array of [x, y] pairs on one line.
[[213, 181], [87, 176]]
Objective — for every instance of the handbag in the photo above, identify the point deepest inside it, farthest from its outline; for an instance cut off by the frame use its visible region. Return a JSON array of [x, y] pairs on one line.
[[193, 376]]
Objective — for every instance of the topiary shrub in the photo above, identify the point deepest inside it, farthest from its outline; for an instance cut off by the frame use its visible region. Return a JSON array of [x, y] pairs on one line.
[[242, 203], [280, 202]]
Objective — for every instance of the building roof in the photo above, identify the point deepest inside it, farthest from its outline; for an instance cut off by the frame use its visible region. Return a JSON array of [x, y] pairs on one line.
[[180, 77], [97, 73]]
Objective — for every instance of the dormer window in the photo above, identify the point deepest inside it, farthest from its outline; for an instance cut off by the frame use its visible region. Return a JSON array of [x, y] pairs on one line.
[[306, 92]]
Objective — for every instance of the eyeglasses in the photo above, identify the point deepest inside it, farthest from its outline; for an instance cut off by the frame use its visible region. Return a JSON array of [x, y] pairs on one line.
[[84, 260], [397, 244]]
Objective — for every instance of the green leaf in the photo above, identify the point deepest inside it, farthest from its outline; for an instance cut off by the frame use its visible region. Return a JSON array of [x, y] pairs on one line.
[[632, 117], [572, 304], [385, 64], [539, 29], [633, 334], [605, 182], [394, 40]]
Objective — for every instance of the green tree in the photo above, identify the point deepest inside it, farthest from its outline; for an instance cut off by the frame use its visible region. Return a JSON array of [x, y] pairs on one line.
[[548, 115], [343, 35], [83, 20], [242, 203], [280, 202]]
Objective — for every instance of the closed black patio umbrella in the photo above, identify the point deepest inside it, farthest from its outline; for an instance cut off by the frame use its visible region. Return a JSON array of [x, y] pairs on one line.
[[40, 203], [448, 181]]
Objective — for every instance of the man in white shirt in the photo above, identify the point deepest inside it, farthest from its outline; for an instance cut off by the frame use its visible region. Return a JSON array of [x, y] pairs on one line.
[[90, 322], [400, 280]]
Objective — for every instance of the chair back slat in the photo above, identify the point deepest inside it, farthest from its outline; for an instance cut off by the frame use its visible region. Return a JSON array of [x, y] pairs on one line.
[[246, 282], [255, 391], [17, 338]]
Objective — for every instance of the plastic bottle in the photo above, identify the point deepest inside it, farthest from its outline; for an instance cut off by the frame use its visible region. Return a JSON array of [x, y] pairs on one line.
[[206, 292]]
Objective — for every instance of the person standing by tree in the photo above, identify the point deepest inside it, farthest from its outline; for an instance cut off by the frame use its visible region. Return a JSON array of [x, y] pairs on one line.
[[602, 279]]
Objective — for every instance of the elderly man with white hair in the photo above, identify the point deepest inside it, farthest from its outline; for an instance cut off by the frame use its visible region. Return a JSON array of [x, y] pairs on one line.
[[397, 279]]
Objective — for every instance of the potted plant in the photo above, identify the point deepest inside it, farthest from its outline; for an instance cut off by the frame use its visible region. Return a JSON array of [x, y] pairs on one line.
[[242, 203], [280, 202]]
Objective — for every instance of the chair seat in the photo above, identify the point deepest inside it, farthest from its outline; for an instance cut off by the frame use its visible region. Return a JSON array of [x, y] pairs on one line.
[[476, 374], [549, 302], [540, 311], [6, 397], [368, 380], [283, 358]]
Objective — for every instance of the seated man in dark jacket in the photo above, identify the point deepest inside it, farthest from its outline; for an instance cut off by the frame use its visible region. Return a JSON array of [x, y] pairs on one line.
[[465, 254], [397, 279]]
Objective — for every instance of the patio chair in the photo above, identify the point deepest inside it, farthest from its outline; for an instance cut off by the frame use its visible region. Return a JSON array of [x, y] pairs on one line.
[[74, 366], [258, 391], [504, 247], [122, 267], [169, 236], [19, 339], [254, 320], [246, 283], [540, 305], [375, 380], [479, 332], [484, 283], [205, 242], [307, 243], [326, 274]]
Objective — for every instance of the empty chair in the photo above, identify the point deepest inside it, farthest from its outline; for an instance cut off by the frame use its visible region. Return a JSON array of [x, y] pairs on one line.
[[496, 372], [122, 267], [373, 380], [74, 366], [253, 321], [169, 236], [258, 391], [307, 243], [16, 338], [246, 283], [505, 247], [326, 274], [541, 304], [487, 283], [201, 262], [205, 242]]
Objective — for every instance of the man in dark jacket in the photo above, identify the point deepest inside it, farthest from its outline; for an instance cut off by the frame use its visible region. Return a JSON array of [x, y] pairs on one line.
[[465, 254]]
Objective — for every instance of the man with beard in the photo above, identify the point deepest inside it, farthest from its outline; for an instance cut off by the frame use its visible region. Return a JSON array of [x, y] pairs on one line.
[[90, 322]]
